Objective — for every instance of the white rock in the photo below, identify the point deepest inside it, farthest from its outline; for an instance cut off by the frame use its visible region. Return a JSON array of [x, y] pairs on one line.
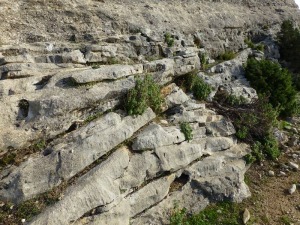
[[271, 173], [294, 165], [293, 189], [246, 216]]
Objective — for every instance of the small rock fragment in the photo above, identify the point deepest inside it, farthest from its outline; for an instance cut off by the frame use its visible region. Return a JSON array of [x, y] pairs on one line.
[[282, 174], [294, 165], [293, 189], [23, 220], [246, 216], [271, 173]]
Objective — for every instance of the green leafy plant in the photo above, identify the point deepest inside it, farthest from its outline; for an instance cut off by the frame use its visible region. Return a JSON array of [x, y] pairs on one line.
[[268, 78], [187, 130], [146, 93], [259, 47], [195, 84], [169, 39]]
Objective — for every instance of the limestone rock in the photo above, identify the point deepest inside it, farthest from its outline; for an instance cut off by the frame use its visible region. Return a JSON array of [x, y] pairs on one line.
[[246, 216], [67, 158], [98, 187], [156, 136]]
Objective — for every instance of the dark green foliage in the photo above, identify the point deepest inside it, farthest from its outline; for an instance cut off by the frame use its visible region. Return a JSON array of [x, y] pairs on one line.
[[145, 94], [242, 132], [289, 43], [200, 89], [268, 78], [224, 213], [169, 39], [235, 100], [186, 129], [227, 55]]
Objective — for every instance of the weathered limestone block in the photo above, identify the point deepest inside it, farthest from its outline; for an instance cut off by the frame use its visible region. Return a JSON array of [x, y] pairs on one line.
[[149, 195], [220, 128], [98, 187], [156, 136], [108, 72], [70, 155], [141, 167]]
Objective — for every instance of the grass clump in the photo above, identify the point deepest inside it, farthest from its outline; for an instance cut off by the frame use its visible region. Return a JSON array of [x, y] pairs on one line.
[[169, 40], [187, 130], [146, 93], [224, 213], [197, 86]]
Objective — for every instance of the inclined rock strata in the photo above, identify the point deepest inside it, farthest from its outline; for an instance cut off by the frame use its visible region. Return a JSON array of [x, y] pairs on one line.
[[137, 183], [61, 78]]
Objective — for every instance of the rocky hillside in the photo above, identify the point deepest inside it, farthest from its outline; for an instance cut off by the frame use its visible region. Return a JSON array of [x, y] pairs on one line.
[[70, 154]]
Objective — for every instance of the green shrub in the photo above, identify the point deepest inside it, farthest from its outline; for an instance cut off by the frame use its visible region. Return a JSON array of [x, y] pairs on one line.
[[145, 94], [200, 89], [242, 132], [268, 78], [270, 147], [235, 100], [289, 43], [169, 40], [228, 55], [27, 210], [186, 129]]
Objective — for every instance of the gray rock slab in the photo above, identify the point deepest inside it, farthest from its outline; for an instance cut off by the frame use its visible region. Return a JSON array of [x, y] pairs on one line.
[[149, 195], [156, 136], [98, 187], [108, 72], [70, 155]]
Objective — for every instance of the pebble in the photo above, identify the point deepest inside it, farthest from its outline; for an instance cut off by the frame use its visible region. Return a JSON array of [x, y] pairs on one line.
[[164, 122], [246, 216], [293, 165], [281, 173], [23, 220], [292, 189], [271, 173]]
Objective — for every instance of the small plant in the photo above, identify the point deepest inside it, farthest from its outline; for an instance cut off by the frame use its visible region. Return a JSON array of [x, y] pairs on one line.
[[228, 55], [39, 145], [259, 47], [7, 159], [200, 89], [235, 100], [203, 60], [27, 210], [169, 40], [145, 94], [187, 130]]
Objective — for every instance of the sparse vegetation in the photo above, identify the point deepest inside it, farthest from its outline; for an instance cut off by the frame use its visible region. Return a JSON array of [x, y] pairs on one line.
[[228, 55], [145, 94], [259, 47], [187, 130], [225, 213], [169, 39]]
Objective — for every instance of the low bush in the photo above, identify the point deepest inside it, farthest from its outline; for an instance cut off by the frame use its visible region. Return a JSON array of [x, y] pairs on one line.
[[269, 79], [197, 86], [186, 129], [146, 93], [259, 47]]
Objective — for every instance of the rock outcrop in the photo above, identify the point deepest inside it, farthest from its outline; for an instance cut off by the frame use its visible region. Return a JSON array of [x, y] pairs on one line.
[[63, 125]]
